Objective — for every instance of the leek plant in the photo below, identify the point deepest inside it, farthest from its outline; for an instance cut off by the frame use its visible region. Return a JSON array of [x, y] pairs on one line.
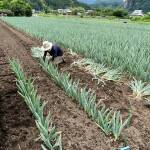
[[112, 75], [104, 120], [104, 117], [48, 132], [118, 124], [99, 71], [112, 43], [140, 89], [37, 52]]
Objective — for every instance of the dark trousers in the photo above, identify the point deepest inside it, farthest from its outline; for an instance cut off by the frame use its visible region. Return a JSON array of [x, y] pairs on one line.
[[45, 54]]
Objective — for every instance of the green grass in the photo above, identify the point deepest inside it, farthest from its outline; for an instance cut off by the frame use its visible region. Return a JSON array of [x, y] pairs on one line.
[[108, 42]]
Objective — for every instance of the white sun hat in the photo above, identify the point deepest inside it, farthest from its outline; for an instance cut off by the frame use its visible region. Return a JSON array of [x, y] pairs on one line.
[[47, 45]]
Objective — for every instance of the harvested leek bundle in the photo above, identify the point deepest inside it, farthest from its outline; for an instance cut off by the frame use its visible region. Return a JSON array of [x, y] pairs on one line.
[[99, 71], [37, 52]]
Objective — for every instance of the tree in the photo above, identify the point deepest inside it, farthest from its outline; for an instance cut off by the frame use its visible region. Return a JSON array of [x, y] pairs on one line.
[[138, 4], [4, 4], [77, 10], [55, 4], [28, 10], [119, 12], [17, 6], [108, 3], [20, 8]]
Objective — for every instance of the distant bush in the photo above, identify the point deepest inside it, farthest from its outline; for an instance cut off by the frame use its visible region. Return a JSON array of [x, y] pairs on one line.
[[77, 10], [55, 12], [7, 12], [104, 12], [81, 16], [120, 13], [92, 13], [136, 18], [145, 18], [28, 10]]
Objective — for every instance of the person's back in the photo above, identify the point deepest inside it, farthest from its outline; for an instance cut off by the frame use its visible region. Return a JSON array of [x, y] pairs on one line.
[[56, 51]]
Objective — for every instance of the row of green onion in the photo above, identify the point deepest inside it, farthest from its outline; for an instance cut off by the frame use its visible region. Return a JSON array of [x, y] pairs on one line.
[[48, 132], [108, 120]]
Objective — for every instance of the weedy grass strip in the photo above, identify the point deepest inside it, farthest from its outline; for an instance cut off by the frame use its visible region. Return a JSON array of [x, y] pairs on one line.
[[48, 132], [106, 119]]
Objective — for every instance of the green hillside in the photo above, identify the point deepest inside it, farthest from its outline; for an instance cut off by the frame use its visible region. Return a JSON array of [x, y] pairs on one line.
[[39, 4], [109, 3], [138, 4]]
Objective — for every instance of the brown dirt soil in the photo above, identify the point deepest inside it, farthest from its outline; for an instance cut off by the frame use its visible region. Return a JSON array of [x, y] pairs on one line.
[[78, 131], [17, 127]]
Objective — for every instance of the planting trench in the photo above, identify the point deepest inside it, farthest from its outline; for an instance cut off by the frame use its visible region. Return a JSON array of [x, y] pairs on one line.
[[78, 132]]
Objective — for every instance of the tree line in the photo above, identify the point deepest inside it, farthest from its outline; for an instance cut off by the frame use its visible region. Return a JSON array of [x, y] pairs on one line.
[[24, 7], [15, 8]]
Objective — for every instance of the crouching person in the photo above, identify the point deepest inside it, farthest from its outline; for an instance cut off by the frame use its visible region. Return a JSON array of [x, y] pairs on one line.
[[53, 50]]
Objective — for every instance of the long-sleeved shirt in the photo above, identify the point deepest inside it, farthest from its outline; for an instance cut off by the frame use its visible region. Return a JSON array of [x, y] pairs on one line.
[[56, 51]]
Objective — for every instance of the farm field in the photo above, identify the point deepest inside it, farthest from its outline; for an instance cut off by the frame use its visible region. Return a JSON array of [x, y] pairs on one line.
[[112, 43], [78, 130]]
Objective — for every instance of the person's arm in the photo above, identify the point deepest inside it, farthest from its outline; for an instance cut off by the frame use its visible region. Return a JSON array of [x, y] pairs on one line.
[[45, 53], [54, 52], [53, 57]]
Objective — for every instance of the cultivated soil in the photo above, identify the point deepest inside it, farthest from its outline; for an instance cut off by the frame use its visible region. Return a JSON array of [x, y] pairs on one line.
[[78, 131], [17, 127]]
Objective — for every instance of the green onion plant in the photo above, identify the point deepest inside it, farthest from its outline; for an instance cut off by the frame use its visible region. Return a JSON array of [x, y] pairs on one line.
[[48, 132], [112, 43], [104, 117], [139, 88]]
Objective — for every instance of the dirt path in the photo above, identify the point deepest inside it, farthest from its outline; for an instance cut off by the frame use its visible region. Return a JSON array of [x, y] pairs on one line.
[[78, 131]]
